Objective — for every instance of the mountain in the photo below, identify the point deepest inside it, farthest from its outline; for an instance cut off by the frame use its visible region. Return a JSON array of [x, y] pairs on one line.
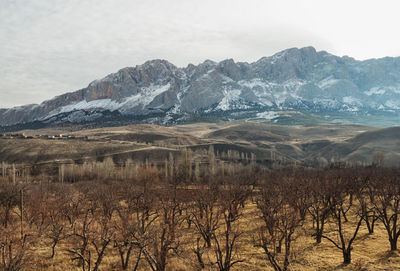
[[294, 80]]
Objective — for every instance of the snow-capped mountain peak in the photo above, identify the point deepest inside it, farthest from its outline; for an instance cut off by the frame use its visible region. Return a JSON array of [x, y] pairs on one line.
[[294, 79]]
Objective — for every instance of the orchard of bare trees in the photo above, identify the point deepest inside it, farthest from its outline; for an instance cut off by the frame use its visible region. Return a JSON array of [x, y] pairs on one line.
[[179, 218]]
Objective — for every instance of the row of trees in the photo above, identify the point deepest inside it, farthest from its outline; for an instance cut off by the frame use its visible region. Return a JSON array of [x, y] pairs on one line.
[[155, 216], [204, 161]]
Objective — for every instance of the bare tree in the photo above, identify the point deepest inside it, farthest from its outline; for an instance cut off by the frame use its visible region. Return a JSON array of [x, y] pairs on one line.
[[280, 221], [226, 237], [319, 205], [366, 196], [9, 199], [13, 248], [92, 235], [15, 242], [56, 220], [386, 202], [165, 237], [204, 212], [136, 217], [341, 200]]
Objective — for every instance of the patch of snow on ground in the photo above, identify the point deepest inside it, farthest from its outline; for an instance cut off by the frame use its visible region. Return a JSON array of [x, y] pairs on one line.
[[293, 83], [288, 91], [177, 107], [145, 97], [327, 82], [393, 104], [148, 94], [277, 56], [326, 102], [351, 100], [268, 115], [204, 76], [261, 89], [353, 109], [351, 103], [375, 91], [226, 79], [280, 97], [106, 104], [256, 82], [180, 75], [394, 89], [269, 92], [230, 96], [383, 90]]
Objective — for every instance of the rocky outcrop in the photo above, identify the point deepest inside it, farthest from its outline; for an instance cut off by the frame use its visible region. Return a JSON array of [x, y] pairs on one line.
[[299, 79]]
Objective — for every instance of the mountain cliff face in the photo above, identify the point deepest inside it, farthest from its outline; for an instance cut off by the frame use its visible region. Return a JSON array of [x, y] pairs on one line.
[[294, 79]]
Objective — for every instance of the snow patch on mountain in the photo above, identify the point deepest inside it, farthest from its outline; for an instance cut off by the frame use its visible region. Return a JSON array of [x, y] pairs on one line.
[[231, 100], [327, 82], [144, 98], [261, 89], [393, 105], [293, 84], [269, 93], [351, 100], [106, 104], [394, 89], [375, 91], [289, 92], [326, 102], [268, 115], [206, 75], [226, 79], [275, 58], [255, 82], [315, 81]]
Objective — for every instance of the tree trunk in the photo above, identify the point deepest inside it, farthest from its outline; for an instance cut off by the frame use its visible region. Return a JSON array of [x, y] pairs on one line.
[[279, 247], [318, 237], [208, 240], [393, 243], [346, 257], [370, 225], [53, 250], [344, 215], [320, 223]]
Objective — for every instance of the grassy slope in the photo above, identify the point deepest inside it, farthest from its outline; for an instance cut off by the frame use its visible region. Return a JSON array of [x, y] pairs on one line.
[[300, 143]]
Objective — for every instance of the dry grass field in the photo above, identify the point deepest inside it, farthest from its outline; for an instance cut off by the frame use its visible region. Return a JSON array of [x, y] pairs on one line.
[[370, 252], [95, 171], [91, 215], [314, 146]]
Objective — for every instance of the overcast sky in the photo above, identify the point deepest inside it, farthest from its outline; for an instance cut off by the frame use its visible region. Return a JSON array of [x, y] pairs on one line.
[[48, 47]]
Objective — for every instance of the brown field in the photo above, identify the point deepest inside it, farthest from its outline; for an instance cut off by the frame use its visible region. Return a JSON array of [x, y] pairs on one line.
[[314, 146], [96, 171], [69, 202], [371, 252]]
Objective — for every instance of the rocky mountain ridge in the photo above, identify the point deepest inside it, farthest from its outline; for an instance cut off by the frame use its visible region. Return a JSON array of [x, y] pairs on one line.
[[159, 92]]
